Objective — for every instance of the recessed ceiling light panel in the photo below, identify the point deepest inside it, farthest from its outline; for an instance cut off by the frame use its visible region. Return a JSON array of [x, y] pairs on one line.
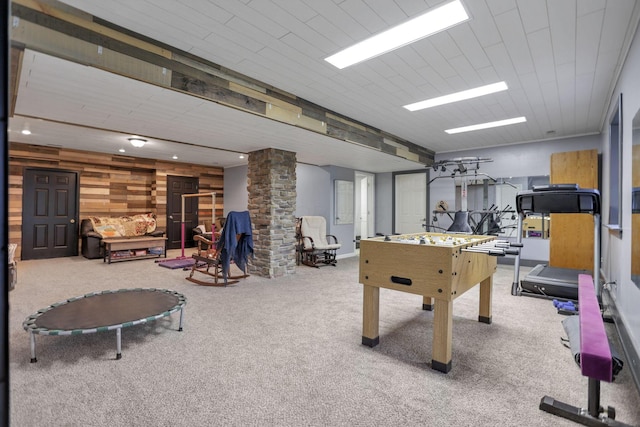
[[425, 25], [458, 96], [487, 125]]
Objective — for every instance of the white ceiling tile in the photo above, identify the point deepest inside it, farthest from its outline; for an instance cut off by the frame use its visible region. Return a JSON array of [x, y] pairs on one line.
[[567, 93], [387, 11], [588, 32], [589, 6], [367, 17], [615, 25], [416, 7], [515, 41], [562, 22], [502, 61], [483, 23], [533, 15], [468, 75], [296, 8], [334, 14], [445, 45], [434, 58], [542, 54], [499, 7], [469, 46]]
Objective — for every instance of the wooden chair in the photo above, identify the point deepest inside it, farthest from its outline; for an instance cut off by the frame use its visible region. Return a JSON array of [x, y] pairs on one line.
[[233, 244], [207, 261], [315, 247]]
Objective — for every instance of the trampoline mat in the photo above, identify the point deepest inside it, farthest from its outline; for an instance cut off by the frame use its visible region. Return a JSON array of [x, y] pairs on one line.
[[123, 307]]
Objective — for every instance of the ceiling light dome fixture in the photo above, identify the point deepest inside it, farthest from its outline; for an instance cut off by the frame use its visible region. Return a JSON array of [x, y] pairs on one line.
[[137, 141]]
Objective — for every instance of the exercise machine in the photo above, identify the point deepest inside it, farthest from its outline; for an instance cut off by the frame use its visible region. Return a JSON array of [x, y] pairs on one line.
[[182, 261], [544, 280], [465, 170]]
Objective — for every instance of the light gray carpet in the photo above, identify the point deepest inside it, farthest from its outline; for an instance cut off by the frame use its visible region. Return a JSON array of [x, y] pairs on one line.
[[287, 352]]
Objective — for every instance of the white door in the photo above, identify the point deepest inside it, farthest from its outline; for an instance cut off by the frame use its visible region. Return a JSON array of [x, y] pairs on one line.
[[365, 204], [410, 202]]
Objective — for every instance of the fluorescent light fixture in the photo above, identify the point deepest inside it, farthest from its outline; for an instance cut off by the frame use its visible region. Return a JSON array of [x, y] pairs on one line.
[[430, 23], [458, 96], [487, 125], [122, 150], [137, 141]]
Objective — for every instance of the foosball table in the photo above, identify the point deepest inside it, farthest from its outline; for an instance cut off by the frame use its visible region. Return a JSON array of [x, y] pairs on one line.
[[438, 266]]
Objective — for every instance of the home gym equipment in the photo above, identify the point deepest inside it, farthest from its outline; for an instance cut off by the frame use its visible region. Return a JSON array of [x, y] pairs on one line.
[[465, 170], [544, 280], [595, 359], [182, 261]]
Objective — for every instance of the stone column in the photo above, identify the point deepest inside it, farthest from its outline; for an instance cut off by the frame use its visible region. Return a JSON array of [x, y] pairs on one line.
[[272, 203]]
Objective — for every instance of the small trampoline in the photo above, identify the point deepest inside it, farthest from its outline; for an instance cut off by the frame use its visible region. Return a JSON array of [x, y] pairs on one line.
[[103, 311]]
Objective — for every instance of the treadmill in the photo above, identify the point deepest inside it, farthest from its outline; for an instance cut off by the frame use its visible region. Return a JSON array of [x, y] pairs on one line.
[[555, 282]]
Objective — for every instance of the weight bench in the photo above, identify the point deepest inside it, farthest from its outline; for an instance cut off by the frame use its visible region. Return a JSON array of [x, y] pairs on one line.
[[595, 362]]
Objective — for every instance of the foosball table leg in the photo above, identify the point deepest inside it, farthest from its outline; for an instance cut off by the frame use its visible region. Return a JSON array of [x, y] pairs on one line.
[[371, 316]]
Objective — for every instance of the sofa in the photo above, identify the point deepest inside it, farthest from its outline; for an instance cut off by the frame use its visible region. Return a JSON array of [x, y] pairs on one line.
[[93, 229]]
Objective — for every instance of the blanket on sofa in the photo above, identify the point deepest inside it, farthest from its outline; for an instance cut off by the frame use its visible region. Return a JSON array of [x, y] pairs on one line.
[[124, 226]]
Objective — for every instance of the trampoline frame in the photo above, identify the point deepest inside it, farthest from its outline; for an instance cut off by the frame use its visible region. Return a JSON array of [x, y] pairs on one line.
[[30, 326]]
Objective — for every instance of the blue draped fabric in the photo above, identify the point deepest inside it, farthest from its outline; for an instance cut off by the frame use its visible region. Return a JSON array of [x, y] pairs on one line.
[[231, 248]]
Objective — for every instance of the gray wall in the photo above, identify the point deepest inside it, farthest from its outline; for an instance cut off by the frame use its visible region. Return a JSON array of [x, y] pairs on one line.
[[315, 187], [314, 196], [384, 203], [616, 251], [236, 196], [313, 191], [531, 159]]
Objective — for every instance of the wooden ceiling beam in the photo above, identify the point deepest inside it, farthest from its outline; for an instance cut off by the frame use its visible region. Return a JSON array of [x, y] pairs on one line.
[[58, 30]]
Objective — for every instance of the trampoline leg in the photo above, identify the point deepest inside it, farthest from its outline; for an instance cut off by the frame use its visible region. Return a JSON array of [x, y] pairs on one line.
[[181, 315], [32, 344], [118, 343]]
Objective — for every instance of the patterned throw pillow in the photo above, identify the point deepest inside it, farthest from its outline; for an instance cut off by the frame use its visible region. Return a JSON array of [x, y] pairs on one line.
[[133, 226], [149, 220], [124, 226], [106, 226]]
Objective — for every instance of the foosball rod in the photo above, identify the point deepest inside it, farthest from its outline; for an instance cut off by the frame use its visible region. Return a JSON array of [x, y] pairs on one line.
[[492, 249]]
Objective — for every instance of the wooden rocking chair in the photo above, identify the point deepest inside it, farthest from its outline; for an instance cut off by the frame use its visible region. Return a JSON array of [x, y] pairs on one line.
[[207, 261], [214, 257]]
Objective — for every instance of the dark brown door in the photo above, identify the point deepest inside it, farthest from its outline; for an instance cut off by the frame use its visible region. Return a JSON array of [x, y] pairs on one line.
[[49, 214], [176, 187]]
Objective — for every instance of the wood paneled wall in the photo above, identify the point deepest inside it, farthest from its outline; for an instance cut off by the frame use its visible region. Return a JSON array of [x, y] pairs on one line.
[[110, 185], [572, 235]]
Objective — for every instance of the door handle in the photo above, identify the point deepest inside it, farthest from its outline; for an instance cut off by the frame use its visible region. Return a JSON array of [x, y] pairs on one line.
[[72, 221]]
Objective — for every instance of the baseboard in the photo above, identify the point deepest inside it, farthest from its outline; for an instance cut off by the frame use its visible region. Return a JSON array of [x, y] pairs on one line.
[[352, 254]]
